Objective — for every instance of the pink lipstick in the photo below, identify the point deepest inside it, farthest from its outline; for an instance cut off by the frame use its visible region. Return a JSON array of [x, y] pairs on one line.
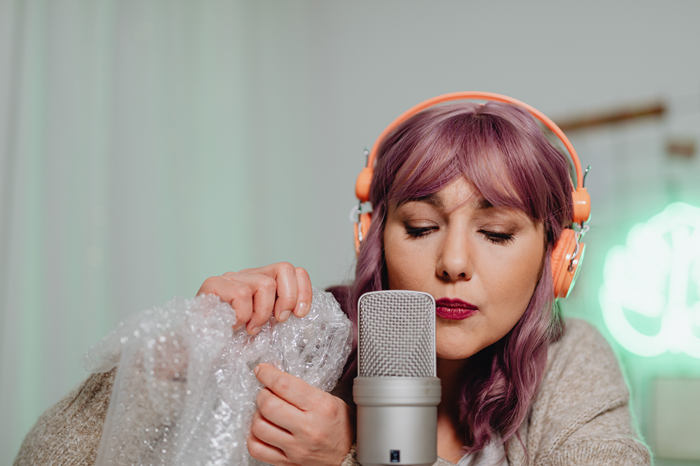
[[454, 309]]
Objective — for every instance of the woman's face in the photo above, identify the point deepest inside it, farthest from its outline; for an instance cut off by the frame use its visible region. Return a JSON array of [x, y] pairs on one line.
[[481, 263]]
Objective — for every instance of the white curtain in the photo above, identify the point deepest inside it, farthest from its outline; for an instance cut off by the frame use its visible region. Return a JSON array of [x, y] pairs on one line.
[[136, 159]]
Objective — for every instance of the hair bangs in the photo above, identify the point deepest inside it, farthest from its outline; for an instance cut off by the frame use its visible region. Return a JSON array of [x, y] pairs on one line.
[[427, 169], [488, 165], [511, 162], [484, 147]]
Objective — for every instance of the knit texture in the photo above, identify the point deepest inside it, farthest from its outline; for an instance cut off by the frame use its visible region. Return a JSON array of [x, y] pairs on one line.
[[69, 432], [580, 415]]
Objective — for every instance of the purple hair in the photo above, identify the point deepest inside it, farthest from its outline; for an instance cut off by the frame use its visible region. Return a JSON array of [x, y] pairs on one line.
[[504, 153]]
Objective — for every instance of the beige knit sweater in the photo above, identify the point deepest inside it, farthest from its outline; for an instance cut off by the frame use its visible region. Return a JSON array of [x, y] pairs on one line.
[[580, 415]]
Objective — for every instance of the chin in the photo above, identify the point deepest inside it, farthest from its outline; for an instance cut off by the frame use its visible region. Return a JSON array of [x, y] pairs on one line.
[[453, 342], [453, 353]]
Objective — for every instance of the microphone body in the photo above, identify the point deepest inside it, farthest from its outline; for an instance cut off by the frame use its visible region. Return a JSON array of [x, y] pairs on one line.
[[396, 391]]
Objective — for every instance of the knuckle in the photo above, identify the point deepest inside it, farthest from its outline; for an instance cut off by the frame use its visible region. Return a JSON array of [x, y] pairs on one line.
[[267, 283], [260, 396], [295, 455], [207, 285], [266, 406], [329, 409], [254, 448], [285, 267], [301, 271], [305, 430], [264, 401], [282, 384], [256, 427], [240, 290], [312, 434]]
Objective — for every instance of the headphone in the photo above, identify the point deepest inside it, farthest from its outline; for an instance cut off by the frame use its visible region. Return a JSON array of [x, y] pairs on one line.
[[568, 251]]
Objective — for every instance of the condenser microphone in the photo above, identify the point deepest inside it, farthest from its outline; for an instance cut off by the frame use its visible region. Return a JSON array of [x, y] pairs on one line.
[[396, 390]]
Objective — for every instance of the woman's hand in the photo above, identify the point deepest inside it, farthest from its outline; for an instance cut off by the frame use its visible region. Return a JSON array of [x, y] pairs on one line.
[[296, 423], [256, 294]]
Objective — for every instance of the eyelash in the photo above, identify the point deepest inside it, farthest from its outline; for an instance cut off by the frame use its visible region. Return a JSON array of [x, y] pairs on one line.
[[497, 237], [418, 232], [491, 236]]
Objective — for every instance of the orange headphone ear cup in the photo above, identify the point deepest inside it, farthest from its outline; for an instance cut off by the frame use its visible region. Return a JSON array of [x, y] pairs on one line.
[[362, 227], [582, 205], [563, 278], [363, 183]]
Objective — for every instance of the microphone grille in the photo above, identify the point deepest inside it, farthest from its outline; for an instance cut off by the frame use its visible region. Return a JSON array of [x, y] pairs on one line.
[[396, 334]]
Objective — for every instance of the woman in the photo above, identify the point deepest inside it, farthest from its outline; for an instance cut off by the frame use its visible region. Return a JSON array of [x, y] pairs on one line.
[[468, 202]]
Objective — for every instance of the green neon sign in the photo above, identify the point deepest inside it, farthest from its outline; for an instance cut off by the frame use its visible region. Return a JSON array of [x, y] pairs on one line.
[[650, 295]]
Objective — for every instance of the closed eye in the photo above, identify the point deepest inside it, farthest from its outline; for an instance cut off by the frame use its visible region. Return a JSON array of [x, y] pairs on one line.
[[417, 232], [497, 237]]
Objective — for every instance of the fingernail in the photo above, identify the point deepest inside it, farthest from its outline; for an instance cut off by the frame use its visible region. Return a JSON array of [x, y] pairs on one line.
[[254, 330], [302, 309], [284, 315], [257, 369]]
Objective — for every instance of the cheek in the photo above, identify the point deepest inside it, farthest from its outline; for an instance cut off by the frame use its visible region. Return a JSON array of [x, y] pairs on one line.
[[405, 263], [519, 282], [396, 264]]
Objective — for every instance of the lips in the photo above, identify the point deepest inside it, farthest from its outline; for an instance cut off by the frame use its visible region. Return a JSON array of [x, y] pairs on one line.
[[454, 309]]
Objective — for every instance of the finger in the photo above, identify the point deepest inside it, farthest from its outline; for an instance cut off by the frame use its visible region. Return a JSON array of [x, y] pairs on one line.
[[270, 433], [261, 451], [259, 297], [237, 294], [264, 285], [289, 388], [279, 412], [304, 292], [263, 302], [286, 290]]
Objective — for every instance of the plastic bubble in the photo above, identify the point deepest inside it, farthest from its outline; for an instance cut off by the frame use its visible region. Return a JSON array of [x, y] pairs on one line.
[[184, 391]]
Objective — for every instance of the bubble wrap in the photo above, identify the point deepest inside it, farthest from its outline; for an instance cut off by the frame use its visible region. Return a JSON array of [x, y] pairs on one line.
[[185, 391]]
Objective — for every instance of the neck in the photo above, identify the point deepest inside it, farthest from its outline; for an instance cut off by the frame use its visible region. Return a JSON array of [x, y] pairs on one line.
[[449, 440], [449, 371]]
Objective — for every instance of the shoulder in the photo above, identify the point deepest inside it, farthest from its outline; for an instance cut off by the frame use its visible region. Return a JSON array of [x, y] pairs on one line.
[[70, 430], [583, 357], [581, 411], [582, 380]]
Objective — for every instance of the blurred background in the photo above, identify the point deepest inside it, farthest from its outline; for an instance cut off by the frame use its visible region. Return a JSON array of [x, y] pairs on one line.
[[145, 146]]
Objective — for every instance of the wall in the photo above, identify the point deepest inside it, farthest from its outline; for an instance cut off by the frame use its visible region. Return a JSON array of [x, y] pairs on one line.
[[148, 146]]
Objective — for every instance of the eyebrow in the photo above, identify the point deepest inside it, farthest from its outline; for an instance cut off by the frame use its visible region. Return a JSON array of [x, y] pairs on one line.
[[484, 204], [431, 199], [434, 200]]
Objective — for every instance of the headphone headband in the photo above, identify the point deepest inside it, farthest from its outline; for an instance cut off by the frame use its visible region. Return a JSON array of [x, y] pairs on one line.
[[581, 198], [490, 96]]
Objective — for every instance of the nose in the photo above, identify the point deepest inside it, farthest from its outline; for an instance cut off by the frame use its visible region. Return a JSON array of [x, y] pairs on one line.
[[454, 261]]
